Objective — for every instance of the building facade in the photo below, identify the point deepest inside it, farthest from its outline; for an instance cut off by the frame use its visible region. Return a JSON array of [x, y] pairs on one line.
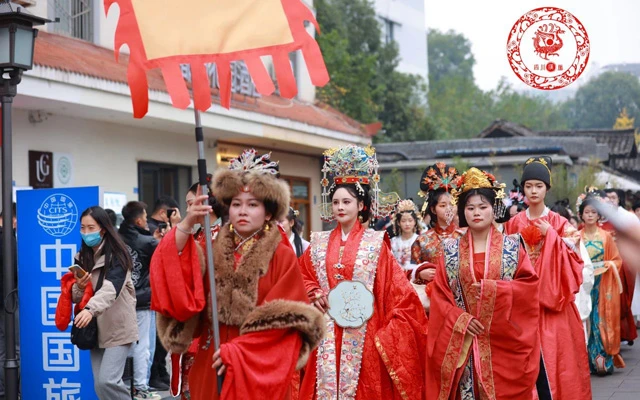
[[73, 121], [402, 21]]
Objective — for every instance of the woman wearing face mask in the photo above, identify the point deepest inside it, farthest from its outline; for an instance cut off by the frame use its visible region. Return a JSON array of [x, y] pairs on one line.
[[267, 328], [436, 184], [604, 333], [553, 247], [376, 328], [292, 226], [483, 329], [113, 304]]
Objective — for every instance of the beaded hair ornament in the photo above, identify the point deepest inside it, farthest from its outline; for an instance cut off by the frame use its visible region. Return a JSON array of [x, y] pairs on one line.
[[475, 178], [354, 165], [247, 161]]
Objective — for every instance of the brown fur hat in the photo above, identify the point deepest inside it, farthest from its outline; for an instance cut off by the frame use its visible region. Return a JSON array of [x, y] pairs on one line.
[[265, 186]]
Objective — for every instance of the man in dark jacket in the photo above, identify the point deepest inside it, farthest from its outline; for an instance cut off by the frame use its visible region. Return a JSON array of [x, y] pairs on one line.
[[134, 230]]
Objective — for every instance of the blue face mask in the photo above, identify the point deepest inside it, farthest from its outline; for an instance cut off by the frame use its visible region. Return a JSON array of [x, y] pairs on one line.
[[91, 239]]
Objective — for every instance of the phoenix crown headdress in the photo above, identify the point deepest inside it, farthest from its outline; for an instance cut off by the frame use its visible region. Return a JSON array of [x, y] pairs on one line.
[[354, 165]]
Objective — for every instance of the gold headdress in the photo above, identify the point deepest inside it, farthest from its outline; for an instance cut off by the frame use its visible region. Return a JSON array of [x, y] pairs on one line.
[[475, 178], [406, 206], [354, 165]]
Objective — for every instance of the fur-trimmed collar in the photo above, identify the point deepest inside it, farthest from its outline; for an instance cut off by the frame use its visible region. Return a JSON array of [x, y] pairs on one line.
[[237, 288]]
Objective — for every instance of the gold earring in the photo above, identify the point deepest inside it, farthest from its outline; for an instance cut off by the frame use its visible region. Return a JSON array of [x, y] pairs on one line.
[[360, 218], [266, 226], [230, 227]]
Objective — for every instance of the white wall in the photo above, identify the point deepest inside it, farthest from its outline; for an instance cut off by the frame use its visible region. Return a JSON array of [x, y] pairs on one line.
[[104, 154], [411, 35], [107, 154]]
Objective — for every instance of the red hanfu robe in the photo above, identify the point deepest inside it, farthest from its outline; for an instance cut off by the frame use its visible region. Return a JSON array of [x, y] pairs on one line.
[[427, 249], [260, 352], [393, 353], [504, 360], [628, 330], [559, 266]]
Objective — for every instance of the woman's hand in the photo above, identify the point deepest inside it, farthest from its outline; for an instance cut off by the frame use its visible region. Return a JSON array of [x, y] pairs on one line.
[[82, 282], [543, 225], [428, 274], [475, 328], [321, 302], [83, 319], [198, 209], [217, 363]]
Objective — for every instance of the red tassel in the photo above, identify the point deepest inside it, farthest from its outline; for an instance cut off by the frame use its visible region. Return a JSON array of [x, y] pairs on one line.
[[532, 235]]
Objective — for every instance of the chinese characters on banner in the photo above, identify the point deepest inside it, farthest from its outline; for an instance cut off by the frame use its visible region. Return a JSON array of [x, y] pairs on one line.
[[48, 238]]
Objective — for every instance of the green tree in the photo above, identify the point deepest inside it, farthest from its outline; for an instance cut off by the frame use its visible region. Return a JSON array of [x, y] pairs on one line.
[[460, 109], [449, 54], [365, 83], [598, 102]]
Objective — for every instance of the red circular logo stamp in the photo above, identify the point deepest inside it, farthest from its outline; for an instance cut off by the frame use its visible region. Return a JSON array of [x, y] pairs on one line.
[[548, 48]]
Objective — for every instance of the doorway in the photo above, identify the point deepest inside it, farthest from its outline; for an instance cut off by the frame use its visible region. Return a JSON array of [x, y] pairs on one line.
[[156, 179]]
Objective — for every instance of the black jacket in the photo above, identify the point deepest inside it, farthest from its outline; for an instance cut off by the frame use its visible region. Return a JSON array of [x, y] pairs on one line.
[[141, 247]]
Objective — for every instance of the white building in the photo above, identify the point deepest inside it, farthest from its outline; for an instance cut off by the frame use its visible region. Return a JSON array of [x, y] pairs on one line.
[[403, 22], [76, 102]]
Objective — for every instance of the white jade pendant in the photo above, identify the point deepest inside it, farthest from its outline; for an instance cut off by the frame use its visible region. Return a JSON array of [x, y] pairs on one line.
[[350, 304]]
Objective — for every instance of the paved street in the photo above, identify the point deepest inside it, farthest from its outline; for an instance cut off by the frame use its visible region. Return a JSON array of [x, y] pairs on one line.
[[624, 384]]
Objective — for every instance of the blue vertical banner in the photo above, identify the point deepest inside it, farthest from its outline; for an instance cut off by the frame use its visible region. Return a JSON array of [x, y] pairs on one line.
[[48, 238]]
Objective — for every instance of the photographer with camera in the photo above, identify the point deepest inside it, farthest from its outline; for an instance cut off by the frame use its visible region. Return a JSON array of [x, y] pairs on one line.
[[166, 213]]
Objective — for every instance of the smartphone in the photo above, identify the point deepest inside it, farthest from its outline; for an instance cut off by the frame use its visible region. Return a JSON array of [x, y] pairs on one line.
[[162, 226], [76, 269], [170, 212]]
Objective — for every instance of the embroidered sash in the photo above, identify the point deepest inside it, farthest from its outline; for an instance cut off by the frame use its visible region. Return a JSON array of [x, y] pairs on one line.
[[502, 263], [328, 386]]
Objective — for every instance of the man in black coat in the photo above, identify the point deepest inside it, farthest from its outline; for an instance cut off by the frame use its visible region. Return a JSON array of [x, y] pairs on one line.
[[134, 230]]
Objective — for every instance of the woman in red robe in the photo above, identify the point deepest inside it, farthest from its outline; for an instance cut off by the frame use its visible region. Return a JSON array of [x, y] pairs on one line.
[[483, 341], [553, 247], [436, 184], [376, 327], [267, 328]]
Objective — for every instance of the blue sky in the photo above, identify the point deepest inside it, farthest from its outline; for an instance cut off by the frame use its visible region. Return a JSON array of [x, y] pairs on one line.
[[613, 27]]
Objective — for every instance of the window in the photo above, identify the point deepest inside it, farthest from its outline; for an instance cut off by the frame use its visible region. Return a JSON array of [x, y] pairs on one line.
[[76, 18], [155, 180], [301, 201], [388, 30]]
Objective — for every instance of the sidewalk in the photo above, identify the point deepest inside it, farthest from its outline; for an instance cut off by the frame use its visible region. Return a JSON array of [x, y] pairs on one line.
[[624, 384]]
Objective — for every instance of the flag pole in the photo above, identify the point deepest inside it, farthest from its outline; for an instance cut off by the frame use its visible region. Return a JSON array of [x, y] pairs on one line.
[[202, 176]]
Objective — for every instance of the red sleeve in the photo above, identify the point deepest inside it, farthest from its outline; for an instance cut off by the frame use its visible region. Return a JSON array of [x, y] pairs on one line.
[[514, 325], [309, 276], [259, 365], [560, 272], [401, 342], [445, 345], [177, 287]]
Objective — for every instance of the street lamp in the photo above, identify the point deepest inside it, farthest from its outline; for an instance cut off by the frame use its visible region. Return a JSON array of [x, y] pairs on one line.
[[17, 40]]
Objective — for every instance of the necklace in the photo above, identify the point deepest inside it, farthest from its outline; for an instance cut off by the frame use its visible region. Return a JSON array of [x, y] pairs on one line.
[[245, 240]]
